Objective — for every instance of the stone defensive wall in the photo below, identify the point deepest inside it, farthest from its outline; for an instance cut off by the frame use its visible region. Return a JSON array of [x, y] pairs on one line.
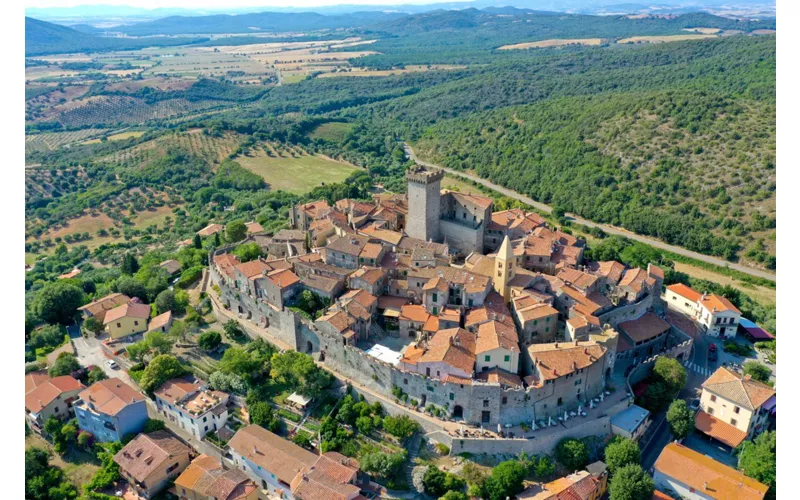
[[505, 406]]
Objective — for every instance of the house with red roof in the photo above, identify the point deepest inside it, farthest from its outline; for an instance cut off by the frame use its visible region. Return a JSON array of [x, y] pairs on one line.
[[47, 397]]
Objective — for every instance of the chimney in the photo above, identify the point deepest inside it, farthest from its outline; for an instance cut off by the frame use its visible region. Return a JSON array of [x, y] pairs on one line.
[[576, 342], [705, 486], [556, 345], [574, 366], [586, 351]]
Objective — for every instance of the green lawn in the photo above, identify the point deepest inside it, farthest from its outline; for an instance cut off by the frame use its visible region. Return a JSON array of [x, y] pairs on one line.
[[333, 131], [296, 175]]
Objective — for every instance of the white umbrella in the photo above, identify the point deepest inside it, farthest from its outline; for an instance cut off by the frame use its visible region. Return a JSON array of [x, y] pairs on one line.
[[533, 424], [601, 396], [550, 421], [591, 404], [499, 429], [566, 416]]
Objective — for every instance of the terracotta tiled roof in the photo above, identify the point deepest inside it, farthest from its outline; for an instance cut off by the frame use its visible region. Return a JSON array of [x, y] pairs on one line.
[[110, 396], [348, 244], [321, 283], [610, 269], [391, 302], [371, 251], [226, 263], [707, 476], [684, 291], [480, 201], [577, 278], [148, 452], [371, 275], [535, 311], [454, 346], [48, 390], [558, 359], [99, 307], [494, 334], [501, 377], [634, 278], [413, 312], [34, 379], [408, 244], [177, 388], [211, 229], [719, 303], [646, 327], [206, 476], [315, 208], [385, 235], [253, 268], [283, 278], [254, 227], [659, 495], [172, 266], [159, 321], [280, 457], [432, 325], [339, 320], [437, 284], [719, 430], [363, 297], [744, 391], [132, 310]]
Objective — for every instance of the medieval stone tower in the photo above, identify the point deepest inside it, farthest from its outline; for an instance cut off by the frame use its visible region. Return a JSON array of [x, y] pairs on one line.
[[424, 203], [505, 265]]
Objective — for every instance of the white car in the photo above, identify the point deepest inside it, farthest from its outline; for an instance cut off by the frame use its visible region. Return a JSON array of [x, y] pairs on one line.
[[112, 364]]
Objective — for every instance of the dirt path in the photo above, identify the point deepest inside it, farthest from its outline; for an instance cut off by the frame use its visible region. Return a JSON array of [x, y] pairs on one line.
[[605, 227], [763, 294]]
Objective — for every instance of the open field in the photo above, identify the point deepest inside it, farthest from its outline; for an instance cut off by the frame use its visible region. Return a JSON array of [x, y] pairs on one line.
[[387, 72], [455, 184], [333, 131], [763, 32], [295, 174], [762, 294], [118, 137], [705, 31], [195, 142], [555, 42], [152, 217], [665, 38], [79, 466], [53, 140]]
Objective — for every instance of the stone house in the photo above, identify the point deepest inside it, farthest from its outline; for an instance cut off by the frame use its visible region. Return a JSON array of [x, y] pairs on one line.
[[514, 223], [565, 375], [448, 353], [151, 461], [303, 214], [682, 299], [537, 321], [642, 337], [733, 408], [191, 405], [278, 287], [327, 288], [344, 251], [370, 279], [319, 232], [246, 273], [161, 323], [411, 320], [111, 409], [98, 308]]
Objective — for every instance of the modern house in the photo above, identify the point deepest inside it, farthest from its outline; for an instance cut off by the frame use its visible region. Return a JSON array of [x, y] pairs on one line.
[[718, 316], [47, 397], [127, 319], [111, 409], [733, 408], [631, 422], [151, 461], [190, 404], [695, 476], [682, 298], [206, 478]]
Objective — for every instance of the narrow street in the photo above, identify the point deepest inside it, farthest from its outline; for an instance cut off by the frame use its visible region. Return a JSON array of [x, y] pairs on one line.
[[605, 227]]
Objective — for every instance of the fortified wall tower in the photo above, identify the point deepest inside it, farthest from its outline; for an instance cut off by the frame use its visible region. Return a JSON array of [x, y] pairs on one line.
[[424, 209]]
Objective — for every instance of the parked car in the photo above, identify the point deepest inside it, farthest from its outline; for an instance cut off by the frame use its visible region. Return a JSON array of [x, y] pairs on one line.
[[112, 364], [712, 353], [694, 405]]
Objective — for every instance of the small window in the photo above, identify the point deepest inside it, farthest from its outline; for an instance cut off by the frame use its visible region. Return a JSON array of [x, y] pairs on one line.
[[405, 381], [135, 323], [733, 422], [507, 358], [487, 358], [710, 411], [560, 402], [504, 400], [535, 322], [435, 298], [713, 398], [119, 325], [430, 388], [452, 396], [485, 403], [736, 409], [205, 418]]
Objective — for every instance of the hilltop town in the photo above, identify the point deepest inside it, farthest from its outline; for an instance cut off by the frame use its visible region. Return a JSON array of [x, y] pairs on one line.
[[431, 315]]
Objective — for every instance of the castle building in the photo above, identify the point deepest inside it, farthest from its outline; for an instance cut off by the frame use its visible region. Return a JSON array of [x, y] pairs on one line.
[[457, 219]]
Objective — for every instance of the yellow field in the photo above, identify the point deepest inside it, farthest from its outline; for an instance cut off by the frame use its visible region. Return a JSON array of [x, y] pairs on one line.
[[407, 69], [554, 42], [39, 72], [762, 294], [118, 137], [705, 31], [662, 39], [296, 174]]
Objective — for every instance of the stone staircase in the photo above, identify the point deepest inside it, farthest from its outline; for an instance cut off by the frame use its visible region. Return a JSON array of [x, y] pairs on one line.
[[375, 330], [413, 453]]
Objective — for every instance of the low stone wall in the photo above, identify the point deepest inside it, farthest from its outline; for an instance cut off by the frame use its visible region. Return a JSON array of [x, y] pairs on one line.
[[537, 445]]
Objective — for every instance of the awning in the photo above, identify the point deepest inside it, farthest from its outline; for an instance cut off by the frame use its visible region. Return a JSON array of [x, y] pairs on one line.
[[719, 430], [391, 313], [298, 399]]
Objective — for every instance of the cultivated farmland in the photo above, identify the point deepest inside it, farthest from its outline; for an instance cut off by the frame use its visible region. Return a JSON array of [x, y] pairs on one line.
[[553, 43]]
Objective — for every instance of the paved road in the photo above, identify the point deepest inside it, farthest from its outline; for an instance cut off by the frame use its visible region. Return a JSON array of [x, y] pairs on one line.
[[660, 438], [605, 227], [89, 352]]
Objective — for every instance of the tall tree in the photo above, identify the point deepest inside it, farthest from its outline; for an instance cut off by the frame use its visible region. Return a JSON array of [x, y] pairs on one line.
[[621, 452], [680, 419], [129, 264], [58, 302], [235, 231], [631, 483], [758, 460]]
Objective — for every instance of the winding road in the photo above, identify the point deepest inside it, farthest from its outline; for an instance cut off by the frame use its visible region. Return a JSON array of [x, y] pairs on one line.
[[605, 227]]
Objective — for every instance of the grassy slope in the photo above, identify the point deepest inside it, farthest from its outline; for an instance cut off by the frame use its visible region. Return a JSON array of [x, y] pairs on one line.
[[296, 175]]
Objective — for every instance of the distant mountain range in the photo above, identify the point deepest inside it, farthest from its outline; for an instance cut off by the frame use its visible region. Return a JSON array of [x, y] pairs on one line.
[[115, 15]]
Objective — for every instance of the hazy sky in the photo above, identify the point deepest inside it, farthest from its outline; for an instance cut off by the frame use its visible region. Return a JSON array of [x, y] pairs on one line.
[[217, 4]]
